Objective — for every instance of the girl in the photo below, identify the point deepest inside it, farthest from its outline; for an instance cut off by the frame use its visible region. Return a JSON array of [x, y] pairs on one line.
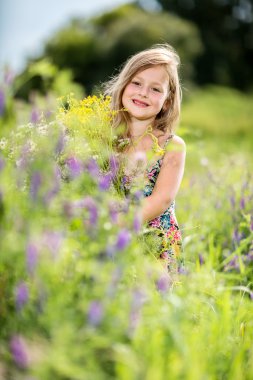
[[147, 95]]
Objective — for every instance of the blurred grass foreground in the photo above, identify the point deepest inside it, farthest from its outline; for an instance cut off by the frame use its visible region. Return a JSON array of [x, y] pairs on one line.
[[83, 298]]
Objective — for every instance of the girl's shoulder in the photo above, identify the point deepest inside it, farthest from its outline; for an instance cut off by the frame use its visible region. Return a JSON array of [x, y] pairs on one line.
[[174, 144]]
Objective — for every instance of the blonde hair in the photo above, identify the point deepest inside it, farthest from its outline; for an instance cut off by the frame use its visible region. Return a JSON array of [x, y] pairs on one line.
[[160, 54]]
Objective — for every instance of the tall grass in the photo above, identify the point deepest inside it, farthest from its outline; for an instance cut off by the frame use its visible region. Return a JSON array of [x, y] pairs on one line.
[[81, 295]]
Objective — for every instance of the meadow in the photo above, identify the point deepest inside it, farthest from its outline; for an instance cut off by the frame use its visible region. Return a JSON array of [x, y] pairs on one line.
[[83, 296]]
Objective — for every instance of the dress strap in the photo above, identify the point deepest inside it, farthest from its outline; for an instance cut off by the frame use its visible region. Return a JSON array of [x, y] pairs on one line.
[[167, 140]]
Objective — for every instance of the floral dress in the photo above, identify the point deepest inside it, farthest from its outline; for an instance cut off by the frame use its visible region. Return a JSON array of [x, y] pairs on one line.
[[165, 226]]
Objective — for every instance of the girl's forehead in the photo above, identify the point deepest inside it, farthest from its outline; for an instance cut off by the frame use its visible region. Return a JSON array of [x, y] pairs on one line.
[[157, 72]]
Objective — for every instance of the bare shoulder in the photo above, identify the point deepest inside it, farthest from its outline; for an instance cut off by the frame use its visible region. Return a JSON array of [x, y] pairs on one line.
[[176, 143]]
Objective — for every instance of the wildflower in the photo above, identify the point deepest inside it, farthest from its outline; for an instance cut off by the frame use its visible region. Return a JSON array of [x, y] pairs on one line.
[[22, 295], [123, 239], [95, 313], [114, 165], [60, 144], [163, 283], [201, 259], [74, 166], [2, 102], [242, 203], [113, 212], [105, 182], [2, 163], [19, 351], [36, 181], [92, 167], [35, 116], [91, 206], [31, 257], [137, 223], [251, 223]]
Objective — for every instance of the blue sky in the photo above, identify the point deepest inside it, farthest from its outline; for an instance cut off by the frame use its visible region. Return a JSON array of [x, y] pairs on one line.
[[26, 24]]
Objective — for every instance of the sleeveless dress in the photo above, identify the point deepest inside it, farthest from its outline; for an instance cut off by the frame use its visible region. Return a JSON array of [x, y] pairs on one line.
[[165, 226]]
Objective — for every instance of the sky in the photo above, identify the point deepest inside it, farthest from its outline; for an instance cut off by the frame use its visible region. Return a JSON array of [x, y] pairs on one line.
[[25, 25]]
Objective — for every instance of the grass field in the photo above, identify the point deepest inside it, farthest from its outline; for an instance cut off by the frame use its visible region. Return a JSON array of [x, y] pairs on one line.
[[79, 299]]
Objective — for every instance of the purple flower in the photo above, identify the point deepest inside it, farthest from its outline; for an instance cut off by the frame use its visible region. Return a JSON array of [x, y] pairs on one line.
[[2, 163], [31, 257], [2, 102], [163, 283], [95, 313], [92, 167], [36, 181], [251, 223], [74, 166], [19, 351], [91, 206], [35, 116], [114, 165], [104, 182], [201, 259], [242, 203], [60, 143], [137, 223], [113, 211], [123, 239], [22, 295], [53, 241]]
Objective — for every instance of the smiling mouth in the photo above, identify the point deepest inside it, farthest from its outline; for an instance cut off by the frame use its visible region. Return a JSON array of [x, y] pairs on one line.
[[139, 103]]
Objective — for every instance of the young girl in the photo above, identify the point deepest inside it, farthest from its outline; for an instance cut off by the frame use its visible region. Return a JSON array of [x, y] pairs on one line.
[[147, 95]]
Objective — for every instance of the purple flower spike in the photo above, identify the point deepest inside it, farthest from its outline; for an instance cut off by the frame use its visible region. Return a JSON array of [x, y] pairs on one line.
[[22, 295], [242, 203], [114, 165], [95, 313], [36, 181], [92, 167], [19, 351], [35, 116], [2, 163], [31, 257], [2, 102], [123, 239], [105, 182], [163, 283], [137, 223], [60, 143], [251, 223], [75, 166], [91, 206], [201, 259]]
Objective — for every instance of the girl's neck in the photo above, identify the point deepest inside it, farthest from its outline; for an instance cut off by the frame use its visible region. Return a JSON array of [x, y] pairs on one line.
[[138, 129]]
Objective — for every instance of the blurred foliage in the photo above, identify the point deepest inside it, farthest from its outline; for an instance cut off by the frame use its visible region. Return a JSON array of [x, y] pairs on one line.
[[81, 296], [219, 112], [226, 30], [45, 77], [93, 49]]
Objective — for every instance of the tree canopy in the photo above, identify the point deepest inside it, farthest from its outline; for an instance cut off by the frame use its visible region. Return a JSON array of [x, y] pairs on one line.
[[226, 30], [95, 48]]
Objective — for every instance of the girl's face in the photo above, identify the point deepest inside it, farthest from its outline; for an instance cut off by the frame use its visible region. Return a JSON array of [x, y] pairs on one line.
[[145, 95]]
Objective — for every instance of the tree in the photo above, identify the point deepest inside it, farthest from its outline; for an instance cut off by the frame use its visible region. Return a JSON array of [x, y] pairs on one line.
[[95, 48], [226, 29]]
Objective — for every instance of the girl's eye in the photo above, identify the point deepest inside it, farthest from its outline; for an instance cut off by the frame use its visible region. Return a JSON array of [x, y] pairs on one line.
[[156, 89], [136, 83]]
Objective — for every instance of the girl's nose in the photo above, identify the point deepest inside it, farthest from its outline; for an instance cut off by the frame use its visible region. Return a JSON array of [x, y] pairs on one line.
[[143, 91]]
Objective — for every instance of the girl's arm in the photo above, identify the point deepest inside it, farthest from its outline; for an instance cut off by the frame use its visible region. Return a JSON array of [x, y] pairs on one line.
[[168, 181]]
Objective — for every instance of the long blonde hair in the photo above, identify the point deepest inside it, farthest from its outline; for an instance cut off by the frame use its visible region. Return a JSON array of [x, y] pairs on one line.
[[159, 54]]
